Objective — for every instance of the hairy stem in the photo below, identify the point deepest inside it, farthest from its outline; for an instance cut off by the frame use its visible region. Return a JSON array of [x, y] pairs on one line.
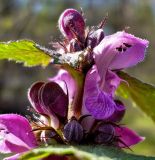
[[76, 105]]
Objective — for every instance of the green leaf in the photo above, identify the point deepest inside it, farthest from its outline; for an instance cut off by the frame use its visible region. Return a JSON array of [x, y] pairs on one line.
[[142, 94], [83, 153], [32, 54], [24, 51]]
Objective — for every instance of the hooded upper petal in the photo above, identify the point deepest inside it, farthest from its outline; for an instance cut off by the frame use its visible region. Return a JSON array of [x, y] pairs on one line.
[[15, 134], [119, 51], [127, 137]]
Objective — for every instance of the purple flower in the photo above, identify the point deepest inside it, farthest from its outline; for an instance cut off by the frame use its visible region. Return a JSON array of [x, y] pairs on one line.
[[16, 135], [50, 100], [99, 58], [60, 100], [118, 51]]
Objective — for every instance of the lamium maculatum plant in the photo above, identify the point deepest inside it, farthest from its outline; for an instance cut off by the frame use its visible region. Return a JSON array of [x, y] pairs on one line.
[[79, 106]]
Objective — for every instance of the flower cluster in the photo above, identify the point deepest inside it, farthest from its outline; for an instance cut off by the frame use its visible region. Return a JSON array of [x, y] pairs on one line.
[[78, 105]]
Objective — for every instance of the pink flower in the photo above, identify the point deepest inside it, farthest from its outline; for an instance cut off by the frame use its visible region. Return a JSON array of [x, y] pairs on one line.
[[118, 51], [99, 101], [49, 100], [16, 135]]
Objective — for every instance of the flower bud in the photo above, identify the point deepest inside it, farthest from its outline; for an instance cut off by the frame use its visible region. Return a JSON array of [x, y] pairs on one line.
[[74, 46], [105, 134], [95, 37], [73, 131], [72, 25]]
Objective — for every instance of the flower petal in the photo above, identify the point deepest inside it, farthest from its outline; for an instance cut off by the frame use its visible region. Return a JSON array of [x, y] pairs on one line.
[[98, 103], [15, 134], [127, 137], [65, 80], [91, 82], [101, 106], [133, 54], [33, 96], [53, 99], [112, 81], [118, 51], [90, 88], [118, 113]]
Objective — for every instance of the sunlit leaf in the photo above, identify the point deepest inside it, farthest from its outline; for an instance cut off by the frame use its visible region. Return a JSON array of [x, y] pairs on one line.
[[83, 153], [142, 94], [24, 51]]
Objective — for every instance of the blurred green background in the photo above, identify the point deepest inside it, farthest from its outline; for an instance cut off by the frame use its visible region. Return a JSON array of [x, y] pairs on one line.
[[37, 20]]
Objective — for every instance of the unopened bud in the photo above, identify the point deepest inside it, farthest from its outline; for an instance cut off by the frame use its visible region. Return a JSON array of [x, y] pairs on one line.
[[105, 134], [73, 131], [95, 37], [71, 24]]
